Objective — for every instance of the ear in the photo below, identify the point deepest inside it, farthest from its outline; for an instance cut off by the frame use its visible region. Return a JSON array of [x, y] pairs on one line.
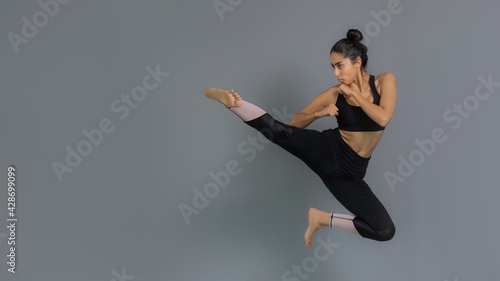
[[358, 62]]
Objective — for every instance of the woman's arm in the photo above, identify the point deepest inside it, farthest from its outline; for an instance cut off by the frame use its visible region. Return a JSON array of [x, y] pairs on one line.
[[322, 105], [302, 120], [381, 113]]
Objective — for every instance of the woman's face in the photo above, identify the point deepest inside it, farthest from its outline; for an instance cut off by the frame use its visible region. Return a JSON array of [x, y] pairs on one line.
[[345, 71]]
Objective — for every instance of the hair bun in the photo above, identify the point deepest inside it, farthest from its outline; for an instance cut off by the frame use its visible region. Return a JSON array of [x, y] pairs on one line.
[[354, 34]]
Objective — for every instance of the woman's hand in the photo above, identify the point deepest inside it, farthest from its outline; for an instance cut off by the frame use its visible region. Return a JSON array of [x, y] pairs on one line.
[[329, 110], [346, 91]]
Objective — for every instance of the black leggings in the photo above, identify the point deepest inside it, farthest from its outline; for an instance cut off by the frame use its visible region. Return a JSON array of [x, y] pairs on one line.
[[340, 168]]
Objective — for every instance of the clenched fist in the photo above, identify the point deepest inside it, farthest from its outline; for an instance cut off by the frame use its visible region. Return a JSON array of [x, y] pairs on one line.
[[329, 110]]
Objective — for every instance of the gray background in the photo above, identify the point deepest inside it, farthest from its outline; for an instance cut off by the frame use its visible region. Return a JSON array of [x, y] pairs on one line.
[[118, 210]]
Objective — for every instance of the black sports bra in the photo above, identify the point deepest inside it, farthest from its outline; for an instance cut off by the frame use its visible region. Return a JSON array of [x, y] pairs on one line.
[[353, 118]]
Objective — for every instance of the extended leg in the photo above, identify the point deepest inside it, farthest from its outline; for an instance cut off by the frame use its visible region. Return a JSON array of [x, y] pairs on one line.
[[311, 146], [247, 111], [231, 100]]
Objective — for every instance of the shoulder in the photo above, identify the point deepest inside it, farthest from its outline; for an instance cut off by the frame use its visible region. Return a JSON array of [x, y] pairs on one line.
[[331, 92], [387, 84], [329, 95], [334, 90], [386, 78]]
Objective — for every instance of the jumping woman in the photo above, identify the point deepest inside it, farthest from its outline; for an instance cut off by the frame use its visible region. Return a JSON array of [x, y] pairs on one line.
[[363, 105]]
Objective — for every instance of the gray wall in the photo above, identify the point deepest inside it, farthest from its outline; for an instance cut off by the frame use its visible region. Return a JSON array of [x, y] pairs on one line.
[[127, 168]]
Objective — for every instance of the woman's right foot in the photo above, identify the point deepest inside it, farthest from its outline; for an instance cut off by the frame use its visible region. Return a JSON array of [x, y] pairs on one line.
[[227, 98]]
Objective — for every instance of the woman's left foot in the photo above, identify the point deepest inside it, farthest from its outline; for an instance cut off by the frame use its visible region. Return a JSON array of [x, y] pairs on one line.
[[317, 219]]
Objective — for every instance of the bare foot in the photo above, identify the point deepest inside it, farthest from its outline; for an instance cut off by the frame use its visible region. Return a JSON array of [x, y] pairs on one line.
[[227, 98], [317, 219]]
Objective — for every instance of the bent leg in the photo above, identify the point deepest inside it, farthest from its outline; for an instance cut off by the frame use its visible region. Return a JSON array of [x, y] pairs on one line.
[[318, 219], [371, 219], [344, 222]]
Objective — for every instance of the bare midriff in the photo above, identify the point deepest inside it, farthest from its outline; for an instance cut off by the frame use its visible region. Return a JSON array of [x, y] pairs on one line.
[[363, 143]]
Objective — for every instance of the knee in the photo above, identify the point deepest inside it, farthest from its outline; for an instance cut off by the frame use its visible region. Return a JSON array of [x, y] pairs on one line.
[[279, 131], [271, 128], [386, 234]]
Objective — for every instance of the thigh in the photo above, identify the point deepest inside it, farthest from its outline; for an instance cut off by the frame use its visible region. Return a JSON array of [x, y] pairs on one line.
[[312, 147], [357, 197]]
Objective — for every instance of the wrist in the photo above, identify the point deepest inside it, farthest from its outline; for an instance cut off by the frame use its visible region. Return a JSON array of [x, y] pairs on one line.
[[355, 95]]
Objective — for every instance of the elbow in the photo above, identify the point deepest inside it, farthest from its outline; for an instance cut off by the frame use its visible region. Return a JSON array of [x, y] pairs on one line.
[[300, 120], [384, 122], [383, 119], [293, 122]]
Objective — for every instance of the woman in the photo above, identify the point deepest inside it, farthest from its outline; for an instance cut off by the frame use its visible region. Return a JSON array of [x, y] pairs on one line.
[[363, 105]]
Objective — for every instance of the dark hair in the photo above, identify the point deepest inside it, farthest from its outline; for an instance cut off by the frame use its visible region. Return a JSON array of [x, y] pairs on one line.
[[351, 48]]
